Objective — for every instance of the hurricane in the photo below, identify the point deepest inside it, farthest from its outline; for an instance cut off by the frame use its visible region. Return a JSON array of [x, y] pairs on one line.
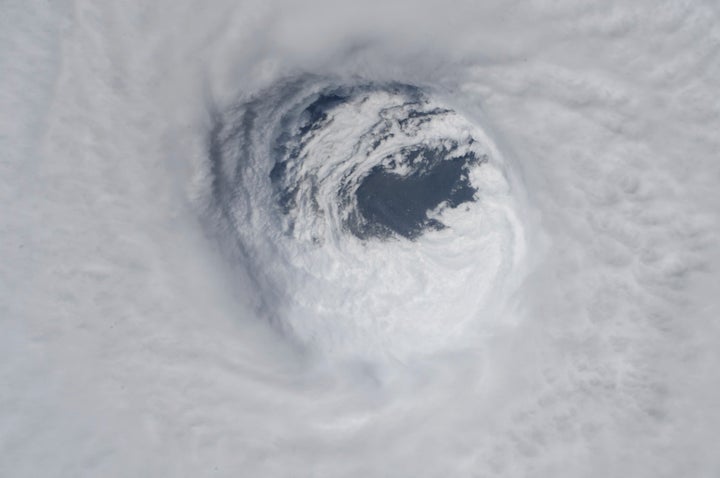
[[359, 239], [374, 219]]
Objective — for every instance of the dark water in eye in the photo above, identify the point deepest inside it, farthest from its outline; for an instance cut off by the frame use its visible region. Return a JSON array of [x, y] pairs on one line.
[[316, 113], [395, 204]]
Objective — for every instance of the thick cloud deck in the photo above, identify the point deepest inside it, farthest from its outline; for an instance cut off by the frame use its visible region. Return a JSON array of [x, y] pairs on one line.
[[136, 344]]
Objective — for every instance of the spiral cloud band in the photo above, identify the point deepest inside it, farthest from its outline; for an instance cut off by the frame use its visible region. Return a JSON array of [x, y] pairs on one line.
[[376, 220]]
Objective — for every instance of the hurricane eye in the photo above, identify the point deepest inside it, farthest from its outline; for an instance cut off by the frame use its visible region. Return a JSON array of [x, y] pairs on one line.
[[392, 203], [352, 201]]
